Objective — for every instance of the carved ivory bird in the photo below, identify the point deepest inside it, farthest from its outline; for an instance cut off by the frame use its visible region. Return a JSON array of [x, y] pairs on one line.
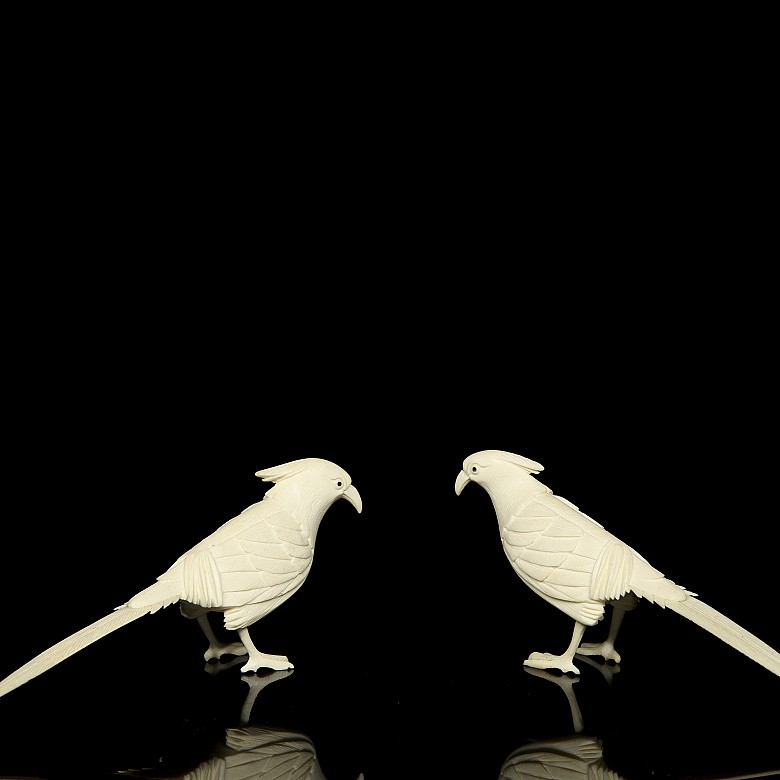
[[248, 567], [575, 564]]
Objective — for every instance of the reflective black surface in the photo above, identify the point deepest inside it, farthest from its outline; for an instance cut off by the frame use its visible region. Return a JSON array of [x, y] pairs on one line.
[[407, 639], [129, 708], [409, 635]]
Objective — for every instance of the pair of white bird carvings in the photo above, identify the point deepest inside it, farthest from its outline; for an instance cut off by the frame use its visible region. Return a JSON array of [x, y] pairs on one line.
[[258, 559]]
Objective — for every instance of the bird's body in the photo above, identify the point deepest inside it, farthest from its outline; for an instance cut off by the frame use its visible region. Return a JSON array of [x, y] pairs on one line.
[[245, 569], [571, 561]]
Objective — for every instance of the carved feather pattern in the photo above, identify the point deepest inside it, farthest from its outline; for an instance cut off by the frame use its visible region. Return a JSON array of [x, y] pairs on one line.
[[546, 551], [612, 572], [262, 556], [201, 583]]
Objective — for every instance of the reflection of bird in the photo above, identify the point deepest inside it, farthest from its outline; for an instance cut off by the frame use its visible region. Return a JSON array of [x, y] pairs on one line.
[[570, 757], [566, 757], [254, 751], [572, 562], [577, 755], [251, 752], [245, 569]]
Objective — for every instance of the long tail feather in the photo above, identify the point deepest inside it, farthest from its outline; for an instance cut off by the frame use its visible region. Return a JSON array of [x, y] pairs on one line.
[[67, 647], [730, 632]]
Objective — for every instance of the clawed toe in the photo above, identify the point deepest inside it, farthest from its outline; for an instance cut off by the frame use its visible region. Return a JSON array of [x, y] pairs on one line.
[[276, 662], [218, 650], [607, 652], [550, 661]]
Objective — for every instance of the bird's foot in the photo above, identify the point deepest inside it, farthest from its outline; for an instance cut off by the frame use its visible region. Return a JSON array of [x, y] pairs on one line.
[[605, 649], [218, 649], [263, 661], [550, 661]]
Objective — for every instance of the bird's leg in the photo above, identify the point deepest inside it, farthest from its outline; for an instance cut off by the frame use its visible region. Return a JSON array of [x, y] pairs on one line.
[[258, 659], [216, 648], [562, 662], [606, 649]]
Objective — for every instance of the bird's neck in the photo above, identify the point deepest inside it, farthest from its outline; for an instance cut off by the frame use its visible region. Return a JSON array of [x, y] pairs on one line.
[[508, 496], [297, 502]]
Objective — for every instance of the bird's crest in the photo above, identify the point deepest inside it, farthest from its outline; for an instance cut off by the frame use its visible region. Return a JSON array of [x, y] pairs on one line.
[[526, 463], [277, 473]]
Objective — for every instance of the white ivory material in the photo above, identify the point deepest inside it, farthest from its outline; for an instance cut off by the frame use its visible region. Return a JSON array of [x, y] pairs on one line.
[[244, 570], [575, 564]]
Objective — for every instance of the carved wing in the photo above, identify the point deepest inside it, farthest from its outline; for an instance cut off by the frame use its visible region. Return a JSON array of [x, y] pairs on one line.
[[260, 555], [264, 562], [563, 554]]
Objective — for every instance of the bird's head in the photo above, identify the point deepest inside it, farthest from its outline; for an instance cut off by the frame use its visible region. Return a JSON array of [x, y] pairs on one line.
[[311, 485], [494, 468]]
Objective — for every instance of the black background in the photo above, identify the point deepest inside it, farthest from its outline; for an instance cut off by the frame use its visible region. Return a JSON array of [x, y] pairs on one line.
[[409, 635], [213, 276]]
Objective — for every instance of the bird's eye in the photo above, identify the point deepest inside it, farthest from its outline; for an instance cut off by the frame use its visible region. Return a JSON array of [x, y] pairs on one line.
[[474, 469], [339, 483]]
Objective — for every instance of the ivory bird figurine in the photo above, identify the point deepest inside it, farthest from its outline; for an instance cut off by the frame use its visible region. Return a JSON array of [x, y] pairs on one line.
[[575, 564], [248, 567]]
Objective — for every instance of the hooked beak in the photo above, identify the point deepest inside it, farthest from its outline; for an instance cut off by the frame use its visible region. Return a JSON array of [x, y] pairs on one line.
[[353, 497], [461, 482]]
